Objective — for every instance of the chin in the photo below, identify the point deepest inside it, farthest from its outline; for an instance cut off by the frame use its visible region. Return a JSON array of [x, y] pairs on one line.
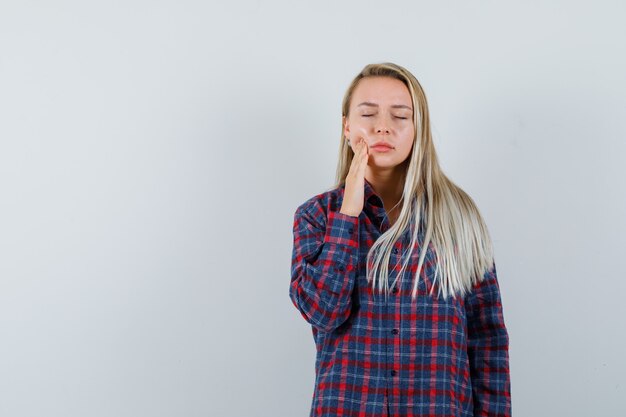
[[383, 164]]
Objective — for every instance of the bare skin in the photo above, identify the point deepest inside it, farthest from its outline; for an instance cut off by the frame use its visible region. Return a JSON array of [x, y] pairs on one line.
[[380, 110], [354, 192]]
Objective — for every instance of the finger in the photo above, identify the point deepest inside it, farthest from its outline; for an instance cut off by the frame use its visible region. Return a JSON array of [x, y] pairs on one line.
[[357, 153], [362, 160], [365, 157], [361, 151], [360, 146]]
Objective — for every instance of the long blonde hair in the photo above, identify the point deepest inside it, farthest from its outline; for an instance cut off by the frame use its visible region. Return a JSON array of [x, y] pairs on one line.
[[459, 236]]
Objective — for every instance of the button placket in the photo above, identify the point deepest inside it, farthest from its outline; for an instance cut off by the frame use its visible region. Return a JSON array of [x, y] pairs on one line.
[[395, 254], [394, 331]]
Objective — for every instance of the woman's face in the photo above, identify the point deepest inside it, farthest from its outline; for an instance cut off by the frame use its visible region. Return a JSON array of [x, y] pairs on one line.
[[381, 110]]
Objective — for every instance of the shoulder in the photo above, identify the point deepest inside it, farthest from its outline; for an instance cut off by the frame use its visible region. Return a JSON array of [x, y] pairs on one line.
[[315, 209]]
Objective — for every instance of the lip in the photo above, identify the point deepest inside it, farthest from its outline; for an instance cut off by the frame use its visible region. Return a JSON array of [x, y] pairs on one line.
[[381, 147]]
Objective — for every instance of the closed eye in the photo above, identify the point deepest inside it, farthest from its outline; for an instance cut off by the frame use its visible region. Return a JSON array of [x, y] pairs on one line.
[[397, 117]]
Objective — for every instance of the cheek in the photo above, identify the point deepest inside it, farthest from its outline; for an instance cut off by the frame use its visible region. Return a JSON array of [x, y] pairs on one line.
[[362, 126], [408, 138], [406, 148]]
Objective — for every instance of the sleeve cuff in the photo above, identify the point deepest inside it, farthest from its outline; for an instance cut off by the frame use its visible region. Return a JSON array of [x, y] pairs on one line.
[[342, 229]]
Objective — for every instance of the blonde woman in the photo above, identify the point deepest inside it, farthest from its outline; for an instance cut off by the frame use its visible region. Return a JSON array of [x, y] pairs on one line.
[[393, 268]]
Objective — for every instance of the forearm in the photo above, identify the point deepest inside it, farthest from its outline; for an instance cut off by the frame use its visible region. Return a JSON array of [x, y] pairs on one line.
[[324, 268]]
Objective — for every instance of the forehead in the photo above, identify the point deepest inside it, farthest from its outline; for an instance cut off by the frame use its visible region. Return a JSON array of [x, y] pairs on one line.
[[383, 91]]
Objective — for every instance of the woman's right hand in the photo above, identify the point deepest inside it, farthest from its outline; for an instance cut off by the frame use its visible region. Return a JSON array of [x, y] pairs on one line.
[[354, 191]]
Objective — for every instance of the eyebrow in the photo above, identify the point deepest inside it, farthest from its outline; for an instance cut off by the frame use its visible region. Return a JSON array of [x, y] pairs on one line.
[[395, 106]]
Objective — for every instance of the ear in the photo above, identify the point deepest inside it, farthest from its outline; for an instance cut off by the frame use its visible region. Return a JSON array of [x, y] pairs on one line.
[[346, 127]]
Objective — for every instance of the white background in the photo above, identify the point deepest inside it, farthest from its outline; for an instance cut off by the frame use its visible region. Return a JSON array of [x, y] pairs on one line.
[[152, 154]]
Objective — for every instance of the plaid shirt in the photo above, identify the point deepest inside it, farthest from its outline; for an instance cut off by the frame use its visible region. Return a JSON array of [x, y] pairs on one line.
[[398, 357]]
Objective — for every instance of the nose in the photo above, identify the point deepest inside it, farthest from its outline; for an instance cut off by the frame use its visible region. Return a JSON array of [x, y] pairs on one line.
[[382, 126], [382, 129]]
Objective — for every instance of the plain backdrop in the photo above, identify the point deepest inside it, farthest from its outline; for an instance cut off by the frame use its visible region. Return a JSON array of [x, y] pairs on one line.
[[152, 155]]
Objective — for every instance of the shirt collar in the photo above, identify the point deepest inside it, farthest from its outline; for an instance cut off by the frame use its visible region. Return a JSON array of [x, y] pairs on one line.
[[371, 196], [374, 204]]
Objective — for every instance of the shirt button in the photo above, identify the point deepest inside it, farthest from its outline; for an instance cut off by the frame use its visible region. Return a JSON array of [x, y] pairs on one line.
[[340, 268], [395, 290], [350, 230], [394, 372], [394, 331], [395, 250]]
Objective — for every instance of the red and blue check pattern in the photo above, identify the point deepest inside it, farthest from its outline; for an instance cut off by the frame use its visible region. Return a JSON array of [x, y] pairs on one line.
[[399, 357]]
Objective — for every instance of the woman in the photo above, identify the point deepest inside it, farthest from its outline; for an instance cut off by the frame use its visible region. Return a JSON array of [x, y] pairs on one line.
[[436, 343]]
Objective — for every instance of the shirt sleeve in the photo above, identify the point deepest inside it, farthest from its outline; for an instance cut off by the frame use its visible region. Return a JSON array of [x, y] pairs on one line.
[[323, 265], [488, 349]]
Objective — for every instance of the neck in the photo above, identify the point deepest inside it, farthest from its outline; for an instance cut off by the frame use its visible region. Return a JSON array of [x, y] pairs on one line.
[[388, 184]]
